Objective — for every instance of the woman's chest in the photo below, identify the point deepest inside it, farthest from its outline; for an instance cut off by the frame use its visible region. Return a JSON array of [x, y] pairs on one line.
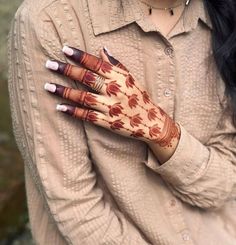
[[179, 74]]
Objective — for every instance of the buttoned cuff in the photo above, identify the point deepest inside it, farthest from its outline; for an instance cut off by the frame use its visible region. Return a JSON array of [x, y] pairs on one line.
[[186, 164]]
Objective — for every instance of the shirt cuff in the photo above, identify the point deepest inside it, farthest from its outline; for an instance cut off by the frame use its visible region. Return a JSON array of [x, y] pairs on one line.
[[187, 163]]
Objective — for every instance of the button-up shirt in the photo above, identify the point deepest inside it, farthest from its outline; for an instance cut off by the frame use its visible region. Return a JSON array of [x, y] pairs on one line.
[[88, 185]]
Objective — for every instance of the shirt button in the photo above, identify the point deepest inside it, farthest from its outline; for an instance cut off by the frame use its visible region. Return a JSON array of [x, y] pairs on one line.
[[169, 51], [185, 236], [167, 92]]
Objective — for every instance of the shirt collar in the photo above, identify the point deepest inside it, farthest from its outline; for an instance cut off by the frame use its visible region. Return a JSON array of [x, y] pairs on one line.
[[109, 15]]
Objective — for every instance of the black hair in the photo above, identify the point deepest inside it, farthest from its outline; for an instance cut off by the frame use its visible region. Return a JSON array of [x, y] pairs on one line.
[[223, 18]]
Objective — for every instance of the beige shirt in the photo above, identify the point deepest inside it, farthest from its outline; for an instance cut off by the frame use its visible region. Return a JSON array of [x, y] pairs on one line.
[[88, 185]]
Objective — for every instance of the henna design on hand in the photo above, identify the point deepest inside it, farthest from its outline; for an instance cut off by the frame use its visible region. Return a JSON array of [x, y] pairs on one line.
[[112, 88], [115, 110], [152, 114], [137, 115], [117, 124], [135, 120]]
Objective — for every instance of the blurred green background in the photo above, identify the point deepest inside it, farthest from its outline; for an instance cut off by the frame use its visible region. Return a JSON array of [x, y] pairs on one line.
[[13, 210]]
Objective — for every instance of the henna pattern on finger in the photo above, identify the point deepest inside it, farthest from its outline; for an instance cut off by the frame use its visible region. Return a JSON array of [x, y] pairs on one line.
[[114, 61], [88, 78], [81, 97], [95, 64], [94, 81], [86, 115]]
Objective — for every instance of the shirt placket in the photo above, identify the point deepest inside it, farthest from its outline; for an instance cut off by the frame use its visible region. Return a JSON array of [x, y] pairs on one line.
[[163, 88], [164, 85]]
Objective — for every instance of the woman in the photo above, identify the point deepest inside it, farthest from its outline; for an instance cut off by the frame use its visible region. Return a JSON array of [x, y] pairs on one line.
[[150, 158]]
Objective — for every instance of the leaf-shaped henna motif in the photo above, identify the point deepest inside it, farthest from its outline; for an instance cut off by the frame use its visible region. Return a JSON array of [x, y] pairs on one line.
[[106, 67], [133, 100], [135, 120], [152, 114], [129, 81], [115, 110], [112, 88], [90, 99], [146, 98], [117, 124], [154, 131], [91, 116], [89, 78], [138, 133]]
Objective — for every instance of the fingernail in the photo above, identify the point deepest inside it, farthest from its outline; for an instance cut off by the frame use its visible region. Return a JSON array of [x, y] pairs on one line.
[[106, 50], [61, 108], [68, 51], [53, 65], [50, 87]]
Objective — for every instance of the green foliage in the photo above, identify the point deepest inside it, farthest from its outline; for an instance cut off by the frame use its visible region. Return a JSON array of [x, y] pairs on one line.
[[13, 211], [7, 9]]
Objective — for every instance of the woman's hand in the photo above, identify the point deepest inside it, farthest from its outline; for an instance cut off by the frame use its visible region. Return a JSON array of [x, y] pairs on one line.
[[118, 103]]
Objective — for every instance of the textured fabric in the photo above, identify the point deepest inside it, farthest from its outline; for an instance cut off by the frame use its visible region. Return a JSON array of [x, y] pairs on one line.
[[87, 185]]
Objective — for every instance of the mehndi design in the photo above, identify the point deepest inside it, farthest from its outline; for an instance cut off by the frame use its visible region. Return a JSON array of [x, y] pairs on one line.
[[120, 104]]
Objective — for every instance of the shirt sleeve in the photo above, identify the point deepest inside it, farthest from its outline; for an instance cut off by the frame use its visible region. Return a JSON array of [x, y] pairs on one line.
[[54, 146], [202, 175]]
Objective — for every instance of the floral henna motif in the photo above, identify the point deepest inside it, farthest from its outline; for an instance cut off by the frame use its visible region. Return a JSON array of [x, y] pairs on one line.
[[90, 99], [135, 120], [113, 88], [152, 114], [138, 133], [154, 131], [146, 98], [133, 100], [129, 81], [117, 124], [115, 110], [92, 116]]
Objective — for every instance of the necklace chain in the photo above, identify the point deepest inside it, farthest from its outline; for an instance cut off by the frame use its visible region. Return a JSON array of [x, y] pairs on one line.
[[170, 9]]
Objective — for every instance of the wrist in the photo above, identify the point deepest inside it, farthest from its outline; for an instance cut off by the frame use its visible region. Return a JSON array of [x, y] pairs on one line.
[[167, 134]]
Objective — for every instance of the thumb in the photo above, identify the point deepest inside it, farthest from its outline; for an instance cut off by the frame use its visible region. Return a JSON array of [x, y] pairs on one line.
[[107, 56]]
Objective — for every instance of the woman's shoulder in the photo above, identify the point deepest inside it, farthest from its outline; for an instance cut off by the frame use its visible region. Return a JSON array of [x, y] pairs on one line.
[[55, 11]]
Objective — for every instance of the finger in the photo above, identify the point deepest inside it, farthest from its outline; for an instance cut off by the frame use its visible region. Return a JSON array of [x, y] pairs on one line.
[[92, 62], [80, 74], [83, 114], [106, 55], [82, 97]]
